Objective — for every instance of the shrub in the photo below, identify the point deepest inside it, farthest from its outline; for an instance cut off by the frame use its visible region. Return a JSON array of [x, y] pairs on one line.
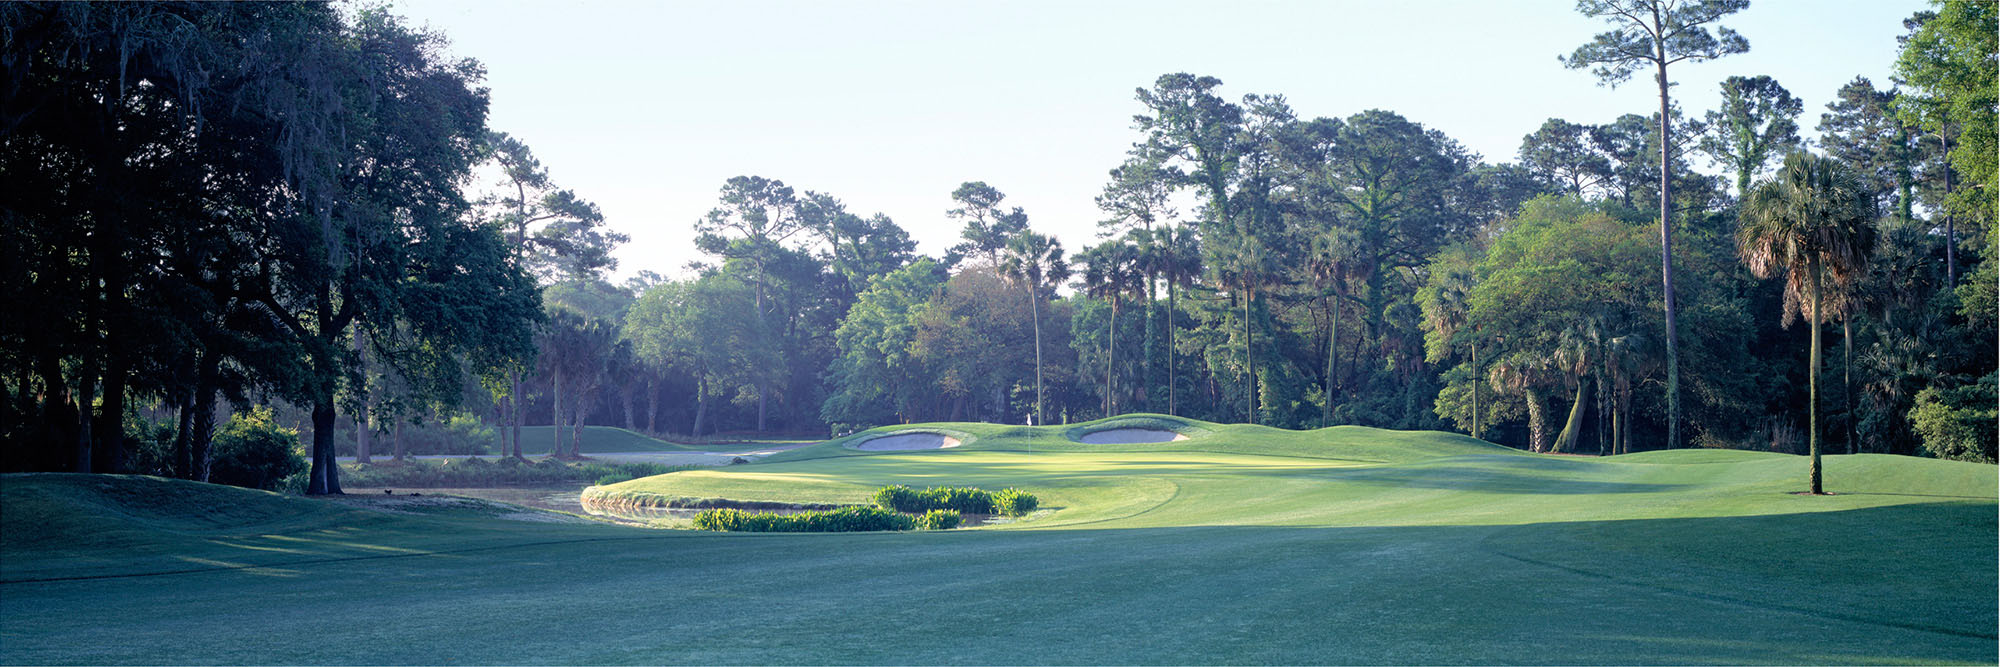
[[958, 499], [900, 498], [253, 451], [1957, 423], [938, 520], [613, 478], [843, 520], [152, 445], [1014, 502]]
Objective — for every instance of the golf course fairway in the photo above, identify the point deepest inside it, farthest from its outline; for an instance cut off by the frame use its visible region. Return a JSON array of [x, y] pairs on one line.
[[1236, 545]]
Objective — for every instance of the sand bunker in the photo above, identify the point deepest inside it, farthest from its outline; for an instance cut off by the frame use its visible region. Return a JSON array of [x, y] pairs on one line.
[[1129, 436], [908, 441]]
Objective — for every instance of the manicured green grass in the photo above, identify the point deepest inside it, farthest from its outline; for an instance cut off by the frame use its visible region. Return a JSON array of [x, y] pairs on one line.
[[1241, 545]]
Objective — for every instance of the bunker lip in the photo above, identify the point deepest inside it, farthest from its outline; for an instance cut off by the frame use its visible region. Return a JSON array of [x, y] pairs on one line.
[[1130, 436], [907, 441]]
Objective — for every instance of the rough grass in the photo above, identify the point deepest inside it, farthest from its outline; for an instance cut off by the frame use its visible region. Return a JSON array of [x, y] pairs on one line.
[[1245, 545]]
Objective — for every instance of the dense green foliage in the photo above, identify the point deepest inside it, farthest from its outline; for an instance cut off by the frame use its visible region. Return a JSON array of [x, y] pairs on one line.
[[1014, 502], [843, 520], [1011, 502], [1957, 423], [939, 520], [254, 453]]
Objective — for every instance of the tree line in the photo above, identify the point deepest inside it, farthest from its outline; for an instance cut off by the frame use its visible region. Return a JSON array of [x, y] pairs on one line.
[[212, 223]]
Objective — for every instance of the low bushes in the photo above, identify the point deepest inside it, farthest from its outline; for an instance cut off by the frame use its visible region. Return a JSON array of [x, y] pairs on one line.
[[937, 508], [843, 520], [957, 499], [253, 451], [1014, 502], [939, 520], [478, 472]]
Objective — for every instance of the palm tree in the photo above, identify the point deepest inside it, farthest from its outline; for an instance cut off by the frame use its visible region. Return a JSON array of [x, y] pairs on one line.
[[1334, 255], [1446, 304], [1179, 263], [1810, 223], [1529, 376], [1247, 265], [1111, 271], [1036, 263]]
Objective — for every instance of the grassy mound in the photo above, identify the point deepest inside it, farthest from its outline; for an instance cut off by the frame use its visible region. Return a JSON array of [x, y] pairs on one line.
[[63, 525]]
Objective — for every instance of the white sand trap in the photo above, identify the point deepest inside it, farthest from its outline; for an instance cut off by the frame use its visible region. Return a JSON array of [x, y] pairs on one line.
[[1129, 436], [908, 441]]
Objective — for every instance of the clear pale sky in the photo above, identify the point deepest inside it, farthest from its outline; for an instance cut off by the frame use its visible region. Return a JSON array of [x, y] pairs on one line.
[[647, 107]]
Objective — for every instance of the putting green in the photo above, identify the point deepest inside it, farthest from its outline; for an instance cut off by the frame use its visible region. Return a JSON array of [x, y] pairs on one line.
[[1241, 545]]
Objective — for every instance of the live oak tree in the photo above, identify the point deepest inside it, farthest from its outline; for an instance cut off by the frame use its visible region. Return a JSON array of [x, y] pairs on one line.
[[1655, 34], [382, 236]]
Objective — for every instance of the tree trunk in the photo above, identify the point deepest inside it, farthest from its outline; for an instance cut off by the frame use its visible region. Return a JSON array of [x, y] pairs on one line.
[[85, 395], [763, 392], [1617, 436], [1173, 381], [1624, 417], [1035, 312], [1477, 379], [325, 469], [1146, 357], [513, 424], [700, 403], [555, 416], [361, 425], [1332, 350], [1538, 427], [1950, 231], [1573, 426], [108, 453], [1603, 411], [652, 405], [1847, 381], [397, 437], [1812, 381], [1111, 360], [1667, 254], [576, 431], [1249, 364], [625, 397], [207, 382], [183, 466]]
